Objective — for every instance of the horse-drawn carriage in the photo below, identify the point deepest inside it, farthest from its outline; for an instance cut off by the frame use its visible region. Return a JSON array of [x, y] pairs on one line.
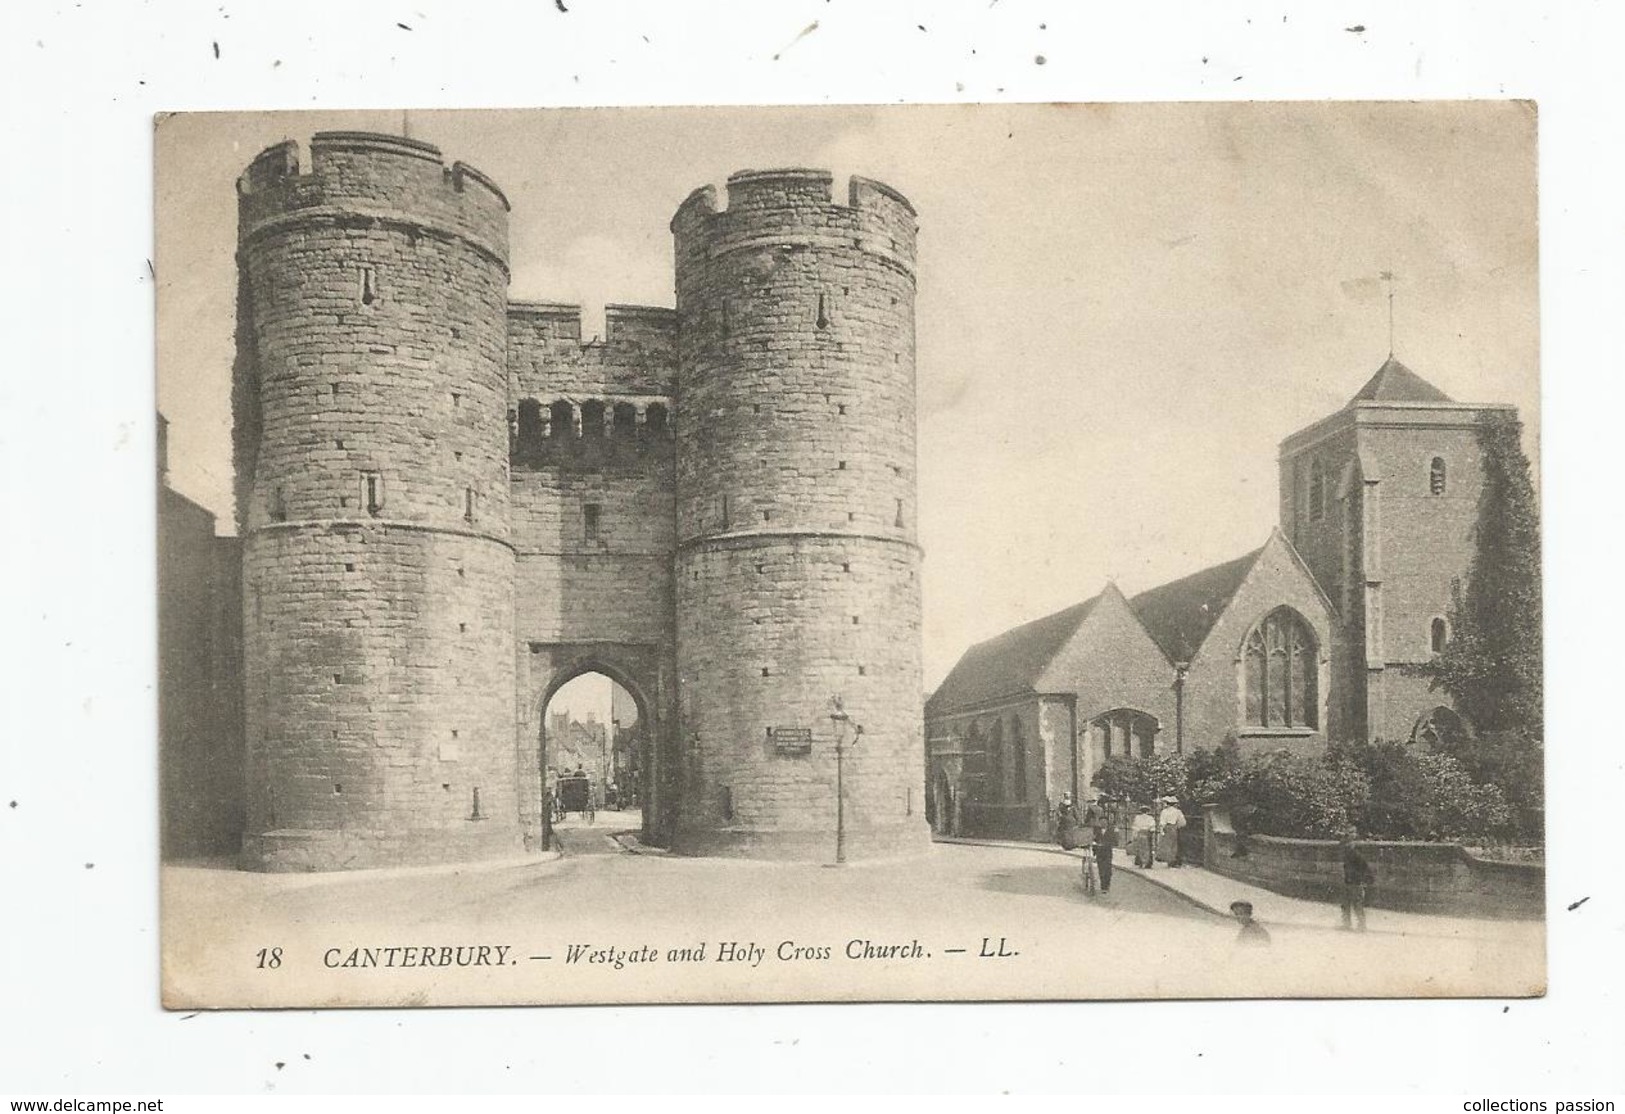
[[574, 795]]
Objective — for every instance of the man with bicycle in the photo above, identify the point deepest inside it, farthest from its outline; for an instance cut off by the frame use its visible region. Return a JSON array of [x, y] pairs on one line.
[[1098, 819]]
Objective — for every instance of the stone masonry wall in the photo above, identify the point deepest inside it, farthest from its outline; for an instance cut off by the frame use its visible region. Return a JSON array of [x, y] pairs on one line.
[[1439, 878], [766, 638], [1212, 688], [594, 520], [1109, 664], [200, 684], [1057, 733], [548, 359], [1385, 547], [797, 569], [1330, 542], [1017, 804], [1424, 542], [380, 685], [371, 400]]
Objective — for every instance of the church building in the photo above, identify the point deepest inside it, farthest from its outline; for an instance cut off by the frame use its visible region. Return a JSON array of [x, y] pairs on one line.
[[1320, 634]]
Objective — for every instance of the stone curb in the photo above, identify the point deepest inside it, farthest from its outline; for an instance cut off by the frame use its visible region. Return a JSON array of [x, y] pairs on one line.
[[1296, 925], [300, 879], [632, 845]]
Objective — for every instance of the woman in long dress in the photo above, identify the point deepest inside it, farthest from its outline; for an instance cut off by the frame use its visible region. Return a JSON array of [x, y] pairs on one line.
[[1145, 836]]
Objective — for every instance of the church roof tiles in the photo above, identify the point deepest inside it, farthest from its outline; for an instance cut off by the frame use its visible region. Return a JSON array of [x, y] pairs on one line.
[[1179, 614], [1008, 664], [1394, 382]]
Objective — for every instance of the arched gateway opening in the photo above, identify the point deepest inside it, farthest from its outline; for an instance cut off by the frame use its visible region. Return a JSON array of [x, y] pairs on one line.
[[597, 762]]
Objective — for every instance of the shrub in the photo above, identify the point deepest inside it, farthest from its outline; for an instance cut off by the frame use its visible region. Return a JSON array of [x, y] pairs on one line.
[[1459, 807], [1382, 790], [1143, 779], [1215, 774], [1399, 801], [1514, 762], [1416, 793], [1292, 795]]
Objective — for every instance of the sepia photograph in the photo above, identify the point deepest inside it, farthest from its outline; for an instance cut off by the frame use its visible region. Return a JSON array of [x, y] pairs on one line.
[[975, 552]]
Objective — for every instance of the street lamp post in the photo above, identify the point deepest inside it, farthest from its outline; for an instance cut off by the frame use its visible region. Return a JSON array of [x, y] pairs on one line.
[[844, 727]]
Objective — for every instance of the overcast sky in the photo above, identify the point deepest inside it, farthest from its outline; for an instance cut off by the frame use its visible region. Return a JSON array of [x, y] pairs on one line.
[[1122, 310]]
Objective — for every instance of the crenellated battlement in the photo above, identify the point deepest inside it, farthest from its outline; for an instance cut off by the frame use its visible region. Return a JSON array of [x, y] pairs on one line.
[[433, 475], [640, 325], [795, 206], [545, 321], [648, 326], [376, 179], [547, 356]]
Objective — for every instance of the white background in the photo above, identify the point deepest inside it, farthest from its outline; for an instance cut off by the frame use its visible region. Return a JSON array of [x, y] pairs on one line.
[[78, 943]]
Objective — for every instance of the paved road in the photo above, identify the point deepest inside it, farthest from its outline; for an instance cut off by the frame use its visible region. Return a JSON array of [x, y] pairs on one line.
[[576, 837], [947, 910]]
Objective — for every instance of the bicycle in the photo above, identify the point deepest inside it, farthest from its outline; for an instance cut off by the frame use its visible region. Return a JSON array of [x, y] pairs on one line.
[[1091, 880]]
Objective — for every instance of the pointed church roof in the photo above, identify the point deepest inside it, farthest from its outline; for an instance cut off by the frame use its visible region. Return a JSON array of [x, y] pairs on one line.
[[1394, 382], [1179, 614], [1008, 664]]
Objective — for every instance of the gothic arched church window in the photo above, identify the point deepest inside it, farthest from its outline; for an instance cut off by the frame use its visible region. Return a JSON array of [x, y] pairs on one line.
[[1436, 476], [1280, 673]]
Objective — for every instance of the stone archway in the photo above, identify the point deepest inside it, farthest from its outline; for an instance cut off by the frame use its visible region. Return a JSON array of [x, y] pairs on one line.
[[594, 720], [641, 671], [1440, 727]]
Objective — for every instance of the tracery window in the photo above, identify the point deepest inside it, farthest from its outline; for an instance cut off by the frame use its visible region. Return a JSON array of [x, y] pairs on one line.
[[1280, 673]]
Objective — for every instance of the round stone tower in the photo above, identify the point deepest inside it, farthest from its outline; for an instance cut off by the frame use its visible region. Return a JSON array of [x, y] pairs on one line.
[[797, 572], [371, 442]]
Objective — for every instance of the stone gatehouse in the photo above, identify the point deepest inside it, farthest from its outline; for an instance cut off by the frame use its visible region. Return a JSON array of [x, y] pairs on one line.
[[451, 504]]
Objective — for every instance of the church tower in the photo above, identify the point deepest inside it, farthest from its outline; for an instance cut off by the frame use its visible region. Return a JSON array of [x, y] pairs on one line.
[[1381, 500]]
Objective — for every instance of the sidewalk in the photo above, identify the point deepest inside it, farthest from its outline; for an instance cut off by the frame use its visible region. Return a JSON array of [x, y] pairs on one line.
[[1214, 893]]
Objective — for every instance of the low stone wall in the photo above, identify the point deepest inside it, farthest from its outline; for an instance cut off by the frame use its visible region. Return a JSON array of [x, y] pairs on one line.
[[1415, 877]]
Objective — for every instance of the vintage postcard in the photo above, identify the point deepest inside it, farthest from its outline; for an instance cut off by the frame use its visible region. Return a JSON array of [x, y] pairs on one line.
[[849, 553]]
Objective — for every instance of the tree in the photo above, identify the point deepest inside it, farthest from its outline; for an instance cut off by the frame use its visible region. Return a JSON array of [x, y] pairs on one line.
[[1492, 665]]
